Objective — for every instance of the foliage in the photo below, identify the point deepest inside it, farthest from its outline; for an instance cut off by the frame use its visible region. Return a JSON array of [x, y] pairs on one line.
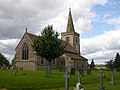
[[3, 61], [32, 80], [48, 45], [117, 62], [92, 65], [109, 65], [114, 64]]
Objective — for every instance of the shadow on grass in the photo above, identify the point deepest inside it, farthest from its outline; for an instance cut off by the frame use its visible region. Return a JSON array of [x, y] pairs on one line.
[[23, 74]]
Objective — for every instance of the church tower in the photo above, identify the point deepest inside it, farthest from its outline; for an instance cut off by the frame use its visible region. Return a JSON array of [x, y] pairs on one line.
[[70, 36]]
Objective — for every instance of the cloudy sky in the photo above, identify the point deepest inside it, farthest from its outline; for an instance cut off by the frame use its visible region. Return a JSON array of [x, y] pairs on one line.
[[98, 22]]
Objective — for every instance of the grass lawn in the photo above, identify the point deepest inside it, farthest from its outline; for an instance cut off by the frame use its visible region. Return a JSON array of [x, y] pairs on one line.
[[36, 80]]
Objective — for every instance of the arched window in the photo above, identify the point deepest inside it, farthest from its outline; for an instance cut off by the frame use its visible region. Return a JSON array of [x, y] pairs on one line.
[[67, 39], [25, 52]]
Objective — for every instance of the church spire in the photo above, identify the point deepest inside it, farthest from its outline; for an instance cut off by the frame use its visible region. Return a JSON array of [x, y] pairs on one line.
[[70, 26]]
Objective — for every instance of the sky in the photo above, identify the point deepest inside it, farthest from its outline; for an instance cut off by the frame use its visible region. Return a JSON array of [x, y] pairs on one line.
[[97, 22]]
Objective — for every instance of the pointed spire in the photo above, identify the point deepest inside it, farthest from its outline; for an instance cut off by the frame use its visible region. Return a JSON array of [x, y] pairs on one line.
[[70, 25]]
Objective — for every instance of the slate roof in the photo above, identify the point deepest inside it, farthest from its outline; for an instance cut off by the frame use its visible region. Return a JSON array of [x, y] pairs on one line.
[[69, 50], [32, 36]]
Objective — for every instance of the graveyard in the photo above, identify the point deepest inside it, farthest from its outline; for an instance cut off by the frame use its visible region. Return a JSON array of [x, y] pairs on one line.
[[36, 80]]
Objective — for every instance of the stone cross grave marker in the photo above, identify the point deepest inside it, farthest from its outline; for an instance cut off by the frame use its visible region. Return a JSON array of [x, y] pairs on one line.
[[79, 77], [101, 87], [67, 76], [88, 71], [112, 77]]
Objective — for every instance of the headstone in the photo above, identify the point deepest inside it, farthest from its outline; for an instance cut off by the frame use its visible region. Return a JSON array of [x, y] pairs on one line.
[[62, 69], [72, 71], [81, 71], [67, 76], [15, 71], [78, 87], [88, 71], [101, 87], [79, 77], [112, 77]]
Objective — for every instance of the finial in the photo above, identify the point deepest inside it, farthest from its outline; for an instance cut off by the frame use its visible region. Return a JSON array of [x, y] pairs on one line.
[[69, 9], [26, 29]]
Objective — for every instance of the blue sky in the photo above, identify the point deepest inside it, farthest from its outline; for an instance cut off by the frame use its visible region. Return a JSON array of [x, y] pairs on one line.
[[97, 21], [109, 11]]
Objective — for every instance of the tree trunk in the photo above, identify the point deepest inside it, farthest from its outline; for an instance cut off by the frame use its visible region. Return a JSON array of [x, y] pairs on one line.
[[48, 69]]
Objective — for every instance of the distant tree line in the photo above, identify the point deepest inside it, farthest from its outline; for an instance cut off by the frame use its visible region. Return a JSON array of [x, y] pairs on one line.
[[114, 64], [4, 63]]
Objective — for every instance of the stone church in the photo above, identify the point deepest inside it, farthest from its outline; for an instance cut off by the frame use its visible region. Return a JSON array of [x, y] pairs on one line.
[[25, 57]]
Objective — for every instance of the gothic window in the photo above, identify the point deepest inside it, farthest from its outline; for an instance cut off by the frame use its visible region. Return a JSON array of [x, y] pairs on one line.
[[25, 52], [67, 39]]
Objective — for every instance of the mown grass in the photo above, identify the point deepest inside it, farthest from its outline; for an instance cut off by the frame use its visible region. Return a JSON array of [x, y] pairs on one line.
[[36, 80]]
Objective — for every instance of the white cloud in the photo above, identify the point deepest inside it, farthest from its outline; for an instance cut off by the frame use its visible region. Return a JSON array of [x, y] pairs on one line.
[[113, 21], [7, 47], [103, 46], [83, 25], [16, 15]]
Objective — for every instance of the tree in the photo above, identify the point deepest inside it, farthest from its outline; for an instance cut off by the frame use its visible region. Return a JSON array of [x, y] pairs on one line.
[[4, 61], [117, 62], [92, 65], [48, 45], [109, 65]]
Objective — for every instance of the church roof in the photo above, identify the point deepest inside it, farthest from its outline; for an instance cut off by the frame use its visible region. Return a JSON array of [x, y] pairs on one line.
[[71, 52], [32, 36], [75, 56]]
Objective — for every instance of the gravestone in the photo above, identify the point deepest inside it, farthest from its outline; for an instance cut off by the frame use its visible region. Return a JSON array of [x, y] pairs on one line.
[[112, 77], [79, 77], [101, 87], [15, 70], [88, 71], [67, 76], [81, 71], [72, 71]]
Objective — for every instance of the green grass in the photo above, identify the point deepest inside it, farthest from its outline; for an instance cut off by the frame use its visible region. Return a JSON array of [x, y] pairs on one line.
[[36, 80]]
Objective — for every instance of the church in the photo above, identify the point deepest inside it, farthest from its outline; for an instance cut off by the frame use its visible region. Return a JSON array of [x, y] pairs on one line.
[[26, 59]]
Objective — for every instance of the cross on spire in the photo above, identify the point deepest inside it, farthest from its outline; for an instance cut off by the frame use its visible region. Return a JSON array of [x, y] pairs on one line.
[[26, 29]]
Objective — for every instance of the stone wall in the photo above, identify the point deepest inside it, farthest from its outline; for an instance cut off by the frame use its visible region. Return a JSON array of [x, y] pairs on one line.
[[26, 65]]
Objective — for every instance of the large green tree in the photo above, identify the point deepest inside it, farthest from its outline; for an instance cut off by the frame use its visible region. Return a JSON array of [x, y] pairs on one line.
[[4, 61], [117, 62], [48, 45], [109, 65]]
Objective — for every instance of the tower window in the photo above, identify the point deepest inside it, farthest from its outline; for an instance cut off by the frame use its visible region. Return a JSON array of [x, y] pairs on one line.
[[25, 52], [67, 39]]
